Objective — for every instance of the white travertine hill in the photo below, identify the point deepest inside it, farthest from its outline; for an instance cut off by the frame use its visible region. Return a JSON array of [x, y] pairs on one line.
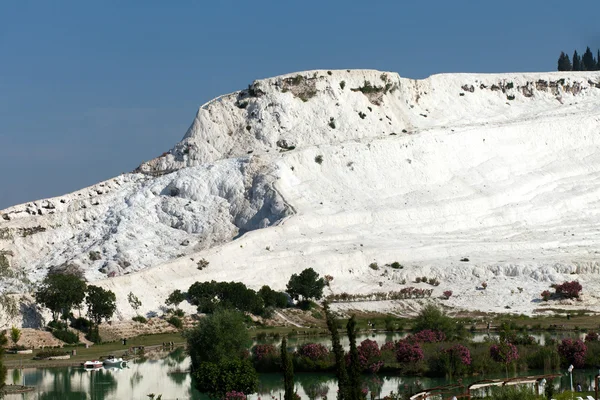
[[336, 170]]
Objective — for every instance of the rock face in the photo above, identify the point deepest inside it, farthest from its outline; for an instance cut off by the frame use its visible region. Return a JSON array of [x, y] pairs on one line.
[[345, 168]]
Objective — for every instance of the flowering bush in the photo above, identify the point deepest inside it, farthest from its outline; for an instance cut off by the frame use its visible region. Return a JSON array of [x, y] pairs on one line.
[[573, 351], [369, 355], [408, 352], [233, 395], [591, 336], [484, 285], [447, 294], [427, 336], [546, 295], [388, 346], [260, 351], [313, 351], [569, 290], [460, 353], [504, 352]]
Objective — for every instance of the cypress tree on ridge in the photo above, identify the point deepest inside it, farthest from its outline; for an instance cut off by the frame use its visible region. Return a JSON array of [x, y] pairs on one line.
[[576, 62], [564, 64]]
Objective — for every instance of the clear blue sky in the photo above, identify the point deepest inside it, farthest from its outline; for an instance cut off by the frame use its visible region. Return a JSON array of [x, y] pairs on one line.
[[90, 89]]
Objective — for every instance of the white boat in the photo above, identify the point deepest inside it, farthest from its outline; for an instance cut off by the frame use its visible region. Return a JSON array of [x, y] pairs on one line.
[[112, 361], [92, 364]]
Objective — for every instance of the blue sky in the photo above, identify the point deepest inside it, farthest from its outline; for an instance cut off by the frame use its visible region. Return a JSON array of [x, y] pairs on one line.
[[91, 89]]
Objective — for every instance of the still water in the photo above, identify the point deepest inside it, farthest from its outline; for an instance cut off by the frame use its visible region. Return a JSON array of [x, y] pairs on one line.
[[167, 376]]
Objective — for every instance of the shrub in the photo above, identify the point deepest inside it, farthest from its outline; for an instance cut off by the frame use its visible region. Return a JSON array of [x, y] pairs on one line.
[[81, 324], [203, 263], [504, 352], [95, 255], [139, 318], [569, 290], [408, 352], [50, 353], [510, 97], [362, 115], [374, 266], [591, 336], [233, 395], [573, 351], [57, 325], [396, 265], [546, 295], [175, 321], [66, 336], [331, 123], [447, 294], [179, 313], [342, 84], [319, 159], [313, 351], [484, 285], [427, 336], [369, 355], [261, 351]]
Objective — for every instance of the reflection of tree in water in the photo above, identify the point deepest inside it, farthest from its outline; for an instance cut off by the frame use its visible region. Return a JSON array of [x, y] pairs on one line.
[[62, 396], [135, 378], [374, 384], [315, 386], [177, 373], [16, 376], [102, 383], [269, 383]]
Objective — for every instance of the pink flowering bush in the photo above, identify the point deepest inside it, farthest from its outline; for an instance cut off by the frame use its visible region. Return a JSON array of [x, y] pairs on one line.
[[408, 352], [262, 351], [388, 346], [447, 294], [369, 356], [504, 352], [233, 395], [591, 336], [459, 353], [313, 351], [427, 336], [546, 295], [573, 351], [569, 290]]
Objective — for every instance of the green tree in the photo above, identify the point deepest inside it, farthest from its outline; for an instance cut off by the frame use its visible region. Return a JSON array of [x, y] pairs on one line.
[[589, 64], [175, 298], [15, 334], [433, 318], [271, 298], [288, 371], [564, 64], [60, 293], [134, 302], [3, 372], [307, 285], [101, 304], [338, 351], [354, 373], [577, 66], [216, 379], [218, 337]]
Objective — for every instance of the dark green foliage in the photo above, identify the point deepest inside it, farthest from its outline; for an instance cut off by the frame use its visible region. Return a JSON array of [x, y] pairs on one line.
[[3, 341], [175, 321], [60, 293], [82, 324], [549, 389], [331, 123], [354, 369], [338, 351], [179, 313], [50, 353], [175, 298], [433, 318], [218, 337], [94, 335], [307, 285], [209, 296], [510, 97], [564, 64], [271, 298], [288, 371], [101, 303], [69, 337], [139, 318], [319, 159], [588, 61], [218, 378], [577, 64], [342, 84]]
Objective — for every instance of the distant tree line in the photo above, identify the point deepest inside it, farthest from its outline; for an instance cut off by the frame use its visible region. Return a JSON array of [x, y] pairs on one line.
[[587, 62]]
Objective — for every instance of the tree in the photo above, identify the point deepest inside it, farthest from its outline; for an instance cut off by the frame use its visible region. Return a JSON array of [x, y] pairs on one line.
[[288, 372], [218, 337], [271, 298], [576, 62], [3, 371], [338, 351], [134, 302], [433, 318], [60, 293], [354, 388], [15, 334], [216, 379], [101, 304], [589, 64], [175, 298], [564, 64], [307, 285]]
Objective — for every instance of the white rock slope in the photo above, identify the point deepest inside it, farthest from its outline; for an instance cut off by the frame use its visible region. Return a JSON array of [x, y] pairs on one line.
[[342, 169]]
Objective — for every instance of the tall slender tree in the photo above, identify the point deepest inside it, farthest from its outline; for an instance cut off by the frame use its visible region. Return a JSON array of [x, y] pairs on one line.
[[589, 64], [576, 62], [338, 351], [354, 373], [564, 64], [288, 371], [3, 371]]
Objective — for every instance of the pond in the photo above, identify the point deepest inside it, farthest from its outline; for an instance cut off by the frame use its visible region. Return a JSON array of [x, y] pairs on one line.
[[167, 376]]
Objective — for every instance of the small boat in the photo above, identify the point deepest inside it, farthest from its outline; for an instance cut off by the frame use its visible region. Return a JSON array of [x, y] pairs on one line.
[[112, 361], [92, 364]]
